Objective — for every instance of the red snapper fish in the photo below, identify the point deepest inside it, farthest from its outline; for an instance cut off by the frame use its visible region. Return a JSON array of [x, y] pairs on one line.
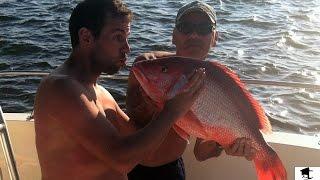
[[224, 111]]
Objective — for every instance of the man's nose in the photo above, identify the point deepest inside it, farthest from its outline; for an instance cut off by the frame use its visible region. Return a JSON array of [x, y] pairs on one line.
[[126, 47], [194, 34]]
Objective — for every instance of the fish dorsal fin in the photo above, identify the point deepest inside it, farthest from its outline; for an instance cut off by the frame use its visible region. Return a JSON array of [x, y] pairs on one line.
[[229, 75]]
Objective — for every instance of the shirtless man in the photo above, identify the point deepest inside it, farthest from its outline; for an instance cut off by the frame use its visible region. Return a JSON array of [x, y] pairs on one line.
[[194, 34], [81, 133]]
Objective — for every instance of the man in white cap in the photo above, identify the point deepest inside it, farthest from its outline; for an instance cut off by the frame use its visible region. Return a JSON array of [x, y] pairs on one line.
[[194, 35]]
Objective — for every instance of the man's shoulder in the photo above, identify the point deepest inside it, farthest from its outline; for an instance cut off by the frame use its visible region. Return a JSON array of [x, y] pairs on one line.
[[58, 86], [55, 95], [105, 92], [65, 82]]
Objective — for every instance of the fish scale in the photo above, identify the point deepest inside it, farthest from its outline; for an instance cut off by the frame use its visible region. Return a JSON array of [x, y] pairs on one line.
[[217, 102]]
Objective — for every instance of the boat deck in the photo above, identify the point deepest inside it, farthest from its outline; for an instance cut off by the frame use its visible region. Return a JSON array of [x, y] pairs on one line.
[[294, 150]]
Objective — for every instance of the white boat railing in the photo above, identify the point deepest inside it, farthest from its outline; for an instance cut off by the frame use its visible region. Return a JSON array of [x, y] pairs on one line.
[[7, 149], [125, 77]]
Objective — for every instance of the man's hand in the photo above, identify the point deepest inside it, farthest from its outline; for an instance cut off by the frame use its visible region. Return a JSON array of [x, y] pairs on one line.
[[149, 56], [153, 55], [242, 147], [205, 149], [182, 102]]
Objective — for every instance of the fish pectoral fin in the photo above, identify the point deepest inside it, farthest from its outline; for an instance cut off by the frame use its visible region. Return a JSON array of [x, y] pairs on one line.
[[183, 134]]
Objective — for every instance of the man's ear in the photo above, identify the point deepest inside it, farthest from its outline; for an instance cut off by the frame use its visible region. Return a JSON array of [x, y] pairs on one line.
[[174, 33], [214, 38], [85, 37]]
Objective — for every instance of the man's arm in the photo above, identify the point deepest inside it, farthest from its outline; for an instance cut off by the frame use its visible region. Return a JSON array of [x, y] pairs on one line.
[[80, 117], [205, 149]]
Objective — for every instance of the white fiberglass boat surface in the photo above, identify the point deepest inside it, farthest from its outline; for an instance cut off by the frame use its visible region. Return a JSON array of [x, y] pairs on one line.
[[295, 150]]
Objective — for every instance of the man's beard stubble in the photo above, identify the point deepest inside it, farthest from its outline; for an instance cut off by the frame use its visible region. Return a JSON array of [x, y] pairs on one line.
[[104, 66]]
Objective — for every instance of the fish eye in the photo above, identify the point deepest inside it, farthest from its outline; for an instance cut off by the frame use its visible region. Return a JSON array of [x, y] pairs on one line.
[[164, 69]]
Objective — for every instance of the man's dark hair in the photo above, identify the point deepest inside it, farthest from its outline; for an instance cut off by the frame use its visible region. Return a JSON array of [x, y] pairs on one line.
[[93, 15]]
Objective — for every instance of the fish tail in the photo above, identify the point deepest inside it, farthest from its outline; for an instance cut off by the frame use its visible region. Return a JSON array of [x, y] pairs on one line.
[[270, 167]]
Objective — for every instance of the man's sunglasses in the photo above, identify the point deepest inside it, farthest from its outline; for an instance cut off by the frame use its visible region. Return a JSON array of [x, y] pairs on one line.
[[200, 29]]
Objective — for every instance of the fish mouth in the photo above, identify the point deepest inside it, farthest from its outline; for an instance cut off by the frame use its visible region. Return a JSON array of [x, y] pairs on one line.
[[141, 78], [139, 75], [144, 83]]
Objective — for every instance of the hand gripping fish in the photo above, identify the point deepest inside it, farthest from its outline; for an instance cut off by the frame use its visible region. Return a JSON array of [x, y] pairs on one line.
[[224, 110]]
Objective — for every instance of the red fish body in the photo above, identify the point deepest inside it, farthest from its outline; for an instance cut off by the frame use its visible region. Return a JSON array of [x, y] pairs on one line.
[[224, 110]]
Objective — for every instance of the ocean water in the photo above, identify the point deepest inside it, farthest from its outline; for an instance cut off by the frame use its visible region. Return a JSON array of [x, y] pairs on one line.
[[275, 40]]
